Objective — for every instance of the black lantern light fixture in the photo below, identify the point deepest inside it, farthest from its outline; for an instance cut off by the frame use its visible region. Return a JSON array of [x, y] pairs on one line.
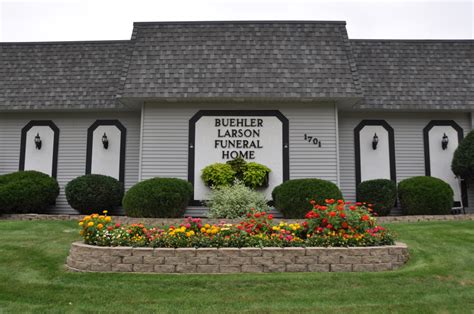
[[444, 141], [375, 141], [37, 141], [105, 141]]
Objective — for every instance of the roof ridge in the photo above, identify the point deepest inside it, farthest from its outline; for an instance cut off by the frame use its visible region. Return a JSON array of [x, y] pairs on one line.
[[244, 22]]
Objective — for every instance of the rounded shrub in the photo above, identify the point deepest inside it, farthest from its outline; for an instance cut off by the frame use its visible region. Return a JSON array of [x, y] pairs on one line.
[[381, 193], [425, 196], [27, 192], [94, 193], [158, 197], [463, 158], [292, 198], [235, 201]]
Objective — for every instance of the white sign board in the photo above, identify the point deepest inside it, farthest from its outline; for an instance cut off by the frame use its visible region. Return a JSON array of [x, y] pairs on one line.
[[223, 138]]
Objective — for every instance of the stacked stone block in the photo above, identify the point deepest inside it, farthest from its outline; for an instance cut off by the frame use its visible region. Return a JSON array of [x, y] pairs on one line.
[[85, 257]]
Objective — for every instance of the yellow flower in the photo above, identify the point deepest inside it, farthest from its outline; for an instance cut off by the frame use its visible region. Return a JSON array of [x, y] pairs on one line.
[[108, 219], [87, 218], [90, 224], [207, 226], [81, 223], [100, 226], [203, 230], [95, 215], [105, 212], [101, 217]]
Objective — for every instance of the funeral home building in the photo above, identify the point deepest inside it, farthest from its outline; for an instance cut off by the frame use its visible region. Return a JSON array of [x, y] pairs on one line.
[[297, 96]]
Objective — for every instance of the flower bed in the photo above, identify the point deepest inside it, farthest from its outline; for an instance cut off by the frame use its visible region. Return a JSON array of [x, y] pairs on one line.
[[337, 236], [334, 224]]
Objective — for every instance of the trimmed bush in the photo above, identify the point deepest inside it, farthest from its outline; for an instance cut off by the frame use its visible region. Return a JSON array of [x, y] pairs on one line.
[[292, 197], [235, 201], [158, 197], [463, 159], [425, 196], [27, 192], [94, 193], [381, 193]]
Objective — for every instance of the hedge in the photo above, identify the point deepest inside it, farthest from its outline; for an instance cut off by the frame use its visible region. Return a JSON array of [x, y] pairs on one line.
[[158, 197], [381, 193], [425, 196], [292, 197], [92, 193], [27, 192]]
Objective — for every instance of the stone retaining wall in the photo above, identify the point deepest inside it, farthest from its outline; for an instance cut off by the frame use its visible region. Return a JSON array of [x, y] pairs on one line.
[[83, 257], [168, 221]]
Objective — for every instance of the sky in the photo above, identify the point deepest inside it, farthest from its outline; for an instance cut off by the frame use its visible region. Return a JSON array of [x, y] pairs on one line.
[[59, 20]]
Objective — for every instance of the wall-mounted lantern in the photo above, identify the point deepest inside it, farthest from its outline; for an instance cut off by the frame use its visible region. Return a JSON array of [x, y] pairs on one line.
[[375, 141], [37, 141], [105, 141], [444, 142]]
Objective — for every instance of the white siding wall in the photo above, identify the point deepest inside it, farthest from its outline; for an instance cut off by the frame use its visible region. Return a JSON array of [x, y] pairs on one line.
[[72, 144], [165, 138], [409, 146]]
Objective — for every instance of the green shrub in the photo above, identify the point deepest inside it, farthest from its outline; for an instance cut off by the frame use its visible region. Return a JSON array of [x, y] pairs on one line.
[[218, 174], [94, 193], [381, 193], [27, 192], [235, 201], [255, 175], [292, 197], [158, 197], [425, 196], [463, 159]]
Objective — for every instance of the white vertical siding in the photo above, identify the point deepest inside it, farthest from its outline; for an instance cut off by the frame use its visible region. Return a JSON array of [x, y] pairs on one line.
[[72, 144], [409, 146], [165, 138]]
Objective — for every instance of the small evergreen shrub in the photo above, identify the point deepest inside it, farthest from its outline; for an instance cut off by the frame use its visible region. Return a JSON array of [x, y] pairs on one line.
[[463, 159], [158, 197], [292, 198], [381, 193], [235, 201], [425, 196], [27, 192], [92, 193], [218, 174]]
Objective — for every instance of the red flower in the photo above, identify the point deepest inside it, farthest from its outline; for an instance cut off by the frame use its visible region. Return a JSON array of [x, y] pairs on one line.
[[344, 225], [342, 215], [332, 214], [329, 201], [117, 225], [323, 207], [340, 202], [270, 217], [329, 226], [257, 215], [312, 202], [352, 207], [358, 203], [365, 218]]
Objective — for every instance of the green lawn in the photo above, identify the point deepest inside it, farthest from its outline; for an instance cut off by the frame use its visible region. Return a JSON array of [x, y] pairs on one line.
[[438, 278]]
